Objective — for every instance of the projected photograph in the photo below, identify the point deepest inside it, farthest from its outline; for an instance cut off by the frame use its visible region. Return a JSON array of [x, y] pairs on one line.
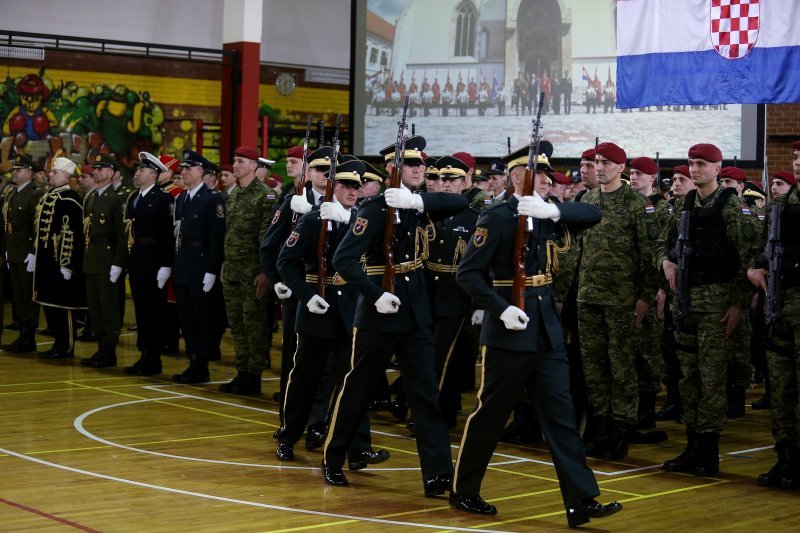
[[472, 70]]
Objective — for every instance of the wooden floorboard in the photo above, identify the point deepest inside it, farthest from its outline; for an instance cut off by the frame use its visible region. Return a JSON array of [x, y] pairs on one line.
[[96, 450]]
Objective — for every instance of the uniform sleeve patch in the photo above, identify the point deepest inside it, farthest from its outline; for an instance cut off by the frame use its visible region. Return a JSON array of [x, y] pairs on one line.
[[293, 238], [648, 208], [220, 211], [360, 226], [276, 217], [480, 236], [745, 210]]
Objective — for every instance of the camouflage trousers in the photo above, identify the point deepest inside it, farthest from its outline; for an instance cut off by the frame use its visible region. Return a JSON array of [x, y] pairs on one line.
[[783, 371], [650, 360], [608, 339], [247, 317], [703, 354], [740, 368]]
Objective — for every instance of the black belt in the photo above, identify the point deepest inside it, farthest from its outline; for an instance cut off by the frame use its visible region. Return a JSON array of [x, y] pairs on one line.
[[102, 240], [193, 244], [145, 240]]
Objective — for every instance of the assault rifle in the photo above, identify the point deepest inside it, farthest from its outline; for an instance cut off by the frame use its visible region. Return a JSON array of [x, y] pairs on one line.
[[325, 225], [774, 252], [524, 223], [392, 215], [684, 252]]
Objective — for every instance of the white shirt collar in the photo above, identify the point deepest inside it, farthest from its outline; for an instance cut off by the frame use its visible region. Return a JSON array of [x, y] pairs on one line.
[[101, 190], [194, 191], [20, 187], [147, 190]]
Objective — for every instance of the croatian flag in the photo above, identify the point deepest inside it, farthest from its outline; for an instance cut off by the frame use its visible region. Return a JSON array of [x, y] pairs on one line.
[[705, 52]]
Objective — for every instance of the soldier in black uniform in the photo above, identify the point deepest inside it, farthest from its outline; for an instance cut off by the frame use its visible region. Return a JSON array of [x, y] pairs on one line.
[[151, 248], [323, 322], [399, 323], [20, 219], [200, 233], [523, 347], [450, 304], [57, 279], [104, 259]]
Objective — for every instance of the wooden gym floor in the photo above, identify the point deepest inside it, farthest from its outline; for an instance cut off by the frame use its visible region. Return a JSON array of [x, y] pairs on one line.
[[96, 450]]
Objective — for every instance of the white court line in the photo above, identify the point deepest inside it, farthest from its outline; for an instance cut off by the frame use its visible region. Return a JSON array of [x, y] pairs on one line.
[[241, 502]]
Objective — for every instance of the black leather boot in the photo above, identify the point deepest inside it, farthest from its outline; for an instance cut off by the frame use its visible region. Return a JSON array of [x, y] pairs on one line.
[[780, 470], [647, 410], [597, 440], [672, 409], [707, 459], [617, 443], [686, 460]]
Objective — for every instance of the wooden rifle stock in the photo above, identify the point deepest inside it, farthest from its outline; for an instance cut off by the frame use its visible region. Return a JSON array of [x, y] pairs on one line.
[[391, 213], [325, 225], [302, 188]]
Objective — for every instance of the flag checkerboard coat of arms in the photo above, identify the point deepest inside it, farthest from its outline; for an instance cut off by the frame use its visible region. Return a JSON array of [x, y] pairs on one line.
[[734, 26]]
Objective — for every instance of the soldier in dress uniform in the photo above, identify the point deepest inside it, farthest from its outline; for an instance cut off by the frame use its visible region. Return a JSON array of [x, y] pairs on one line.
[[199, 240], [398, 324], [151, 249], [245, 284], [722, 244], [373, 181], [58, 283], [19, 212], [523, 348], [481, 180], [324, 323], [497, 178], [104, 260]]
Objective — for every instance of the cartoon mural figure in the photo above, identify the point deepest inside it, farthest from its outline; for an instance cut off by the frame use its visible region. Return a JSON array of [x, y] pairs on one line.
[[31, 119]]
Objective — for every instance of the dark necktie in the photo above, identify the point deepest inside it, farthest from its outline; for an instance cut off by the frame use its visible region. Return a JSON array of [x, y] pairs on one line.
[[136, 200]]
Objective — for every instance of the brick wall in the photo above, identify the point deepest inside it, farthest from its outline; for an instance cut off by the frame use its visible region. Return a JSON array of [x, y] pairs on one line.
[[783, 128]]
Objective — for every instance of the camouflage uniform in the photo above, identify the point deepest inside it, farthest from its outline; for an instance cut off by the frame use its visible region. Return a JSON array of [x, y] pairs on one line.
[[614, 273], [477, 198], [248, 213]]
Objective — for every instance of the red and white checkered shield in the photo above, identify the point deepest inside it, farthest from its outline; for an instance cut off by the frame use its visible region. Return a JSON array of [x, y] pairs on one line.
[[734, 26]]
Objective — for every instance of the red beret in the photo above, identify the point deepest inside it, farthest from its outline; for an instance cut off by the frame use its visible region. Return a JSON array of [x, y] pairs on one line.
[[272, 182], [788, 177], [465, 158], [644, 164], [683, 170], [612, 152], [708, 152], [796, 145], [248, 152], [87, 169], [169, 161], [733, 173], [295, 151], [588, 155], [227, 168], [561, 178], [424, 155]]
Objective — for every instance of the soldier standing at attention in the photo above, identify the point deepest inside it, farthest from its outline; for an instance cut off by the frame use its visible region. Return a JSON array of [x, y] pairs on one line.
[[523, 348], [57, 279], [245, 284], [227, 180], [200, 235], [476, 197], [398, 324], [105, 257], [616, 283], [151, 250], [20, 219], [722, 242]]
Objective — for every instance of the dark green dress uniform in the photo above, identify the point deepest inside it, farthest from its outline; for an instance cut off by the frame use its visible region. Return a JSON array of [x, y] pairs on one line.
[[20, 219], [532, 358], [151, 246], [106, 246], [60, 244], [198, 250], [406, 334]]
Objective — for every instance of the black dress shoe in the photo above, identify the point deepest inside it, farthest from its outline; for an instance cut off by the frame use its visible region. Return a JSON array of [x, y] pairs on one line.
[[191, 376], [57, 354], [367, 457], [471, 504], [285, 452], [333, 475], [315, 436], [438, 485], [589, 509], [765, 402], [142, 369], [243, 384]]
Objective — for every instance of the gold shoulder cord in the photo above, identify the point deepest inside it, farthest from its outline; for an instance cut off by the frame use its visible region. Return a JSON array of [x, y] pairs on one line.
[[461, 248], [553, 250]]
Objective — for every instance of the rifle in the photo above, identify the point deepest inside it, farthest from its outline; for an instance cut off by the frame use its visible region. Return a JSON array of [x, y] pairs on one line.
[[524, 223], [684, 253], [509, 185], [325, 225], [774, 252], [392, 215], [320, 133], [302, 188]]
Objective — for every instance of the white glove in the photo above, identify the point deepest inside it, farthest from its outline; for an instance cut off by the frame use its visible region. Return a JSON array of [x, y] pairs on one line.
[[514, 318], [334, 211], [30, 261], [387, 304], [477, 317], [282, 291], [114, 274], [162, 276], [317, 305], [208, 281], [299, 204], [67, 273], [534, 206], [403, 199]]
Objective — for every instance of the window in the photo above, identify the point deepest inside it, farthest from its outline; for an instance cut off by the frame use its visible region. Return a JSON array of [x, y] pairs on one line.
[[373, 55], [384, 59], [465, 29]]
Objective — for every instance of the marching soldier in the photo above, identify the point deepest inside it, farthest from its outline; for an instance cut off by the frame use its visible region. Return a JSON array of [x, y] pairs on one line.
[[105, 257], [151, 248], [373, 181], [199, 238], [20, 217], [57, 279], [387, 323], [522, 347], [245, 284], [722, 241]]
